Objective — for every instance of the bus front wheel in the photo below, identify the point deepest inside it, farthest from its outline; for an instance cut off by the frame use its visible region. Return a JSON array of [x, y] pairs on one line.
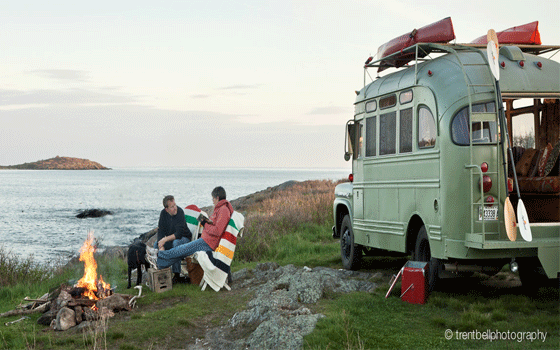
[[350, 252], [422, 252]]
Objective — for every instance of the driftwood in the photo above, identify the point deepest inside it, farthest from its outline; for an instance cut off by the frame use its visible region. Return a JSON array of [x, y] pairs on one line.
[[16, 321], [15, 312]]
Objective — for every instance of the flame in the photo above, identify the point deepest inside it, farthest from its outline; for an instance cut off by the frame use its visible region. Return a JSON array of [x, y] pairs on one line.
[[89, 281]]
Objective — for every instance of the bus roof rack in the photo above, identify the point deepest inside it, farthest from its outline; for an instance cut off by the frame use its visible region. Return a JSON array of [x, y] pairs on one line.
[[421, 50]]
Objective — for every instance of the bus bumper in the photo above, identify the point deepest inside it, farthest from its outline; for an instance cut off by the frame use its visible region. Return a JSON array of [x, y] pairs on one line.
[[545, 243]]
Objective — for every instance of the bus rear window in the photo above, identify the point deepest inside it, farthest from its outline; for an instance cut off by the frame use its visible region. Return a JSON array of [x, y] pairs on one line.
[[481, 132], [426, 128]]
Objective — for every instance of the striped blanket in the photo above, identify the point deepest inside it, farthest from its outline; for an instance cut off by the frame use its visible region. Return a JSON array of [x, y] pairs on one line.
[[191, 217], [216, 265]]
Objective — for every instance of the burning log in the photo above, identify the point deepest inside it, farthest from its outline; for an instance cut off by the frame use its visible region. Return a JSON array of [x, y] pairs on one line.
[[82, 302]]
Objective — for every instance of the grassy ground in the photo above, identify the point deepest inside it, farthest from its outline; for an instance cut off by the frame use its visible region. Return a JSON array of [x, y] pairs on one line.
[[293, 227]]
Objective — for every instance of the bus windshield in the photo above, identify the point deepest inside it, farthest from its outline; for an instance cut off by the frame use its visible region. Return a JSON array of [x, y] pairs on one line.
[[481, 132]]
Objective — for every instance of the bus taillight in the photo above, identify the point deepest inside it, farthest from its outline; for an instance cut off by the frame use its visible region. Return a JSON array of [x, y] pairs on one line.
[[484, 167], [351, 177], [486, 183]]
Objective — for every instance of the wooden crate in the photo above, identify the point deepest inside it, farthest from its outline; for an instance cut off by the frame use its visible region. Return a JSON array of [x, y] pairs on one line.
[[160, 280]]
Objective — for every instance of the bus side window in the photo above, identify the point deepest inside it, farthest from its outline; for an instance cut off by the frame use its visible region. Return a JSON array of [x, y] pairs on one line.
[[388, 133], [426, 128], [481, 132], [405, 139], [371, 141]]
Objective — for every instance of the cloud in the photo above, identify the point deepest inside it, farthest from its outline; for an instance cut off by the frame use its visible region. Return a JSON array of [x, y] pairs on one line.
[[240, 87], [57, 97], [200, 96], [62, 74], [329, 110]]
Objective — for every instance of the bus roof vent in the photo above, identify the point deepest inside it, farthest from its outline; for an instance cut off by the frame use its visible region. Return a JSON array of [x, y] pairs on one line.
[[512, 53]]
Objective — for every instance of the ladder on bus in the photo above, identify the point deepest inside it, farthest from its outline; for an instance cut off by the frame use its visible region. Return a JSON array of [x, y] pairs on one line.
[[477, 207]]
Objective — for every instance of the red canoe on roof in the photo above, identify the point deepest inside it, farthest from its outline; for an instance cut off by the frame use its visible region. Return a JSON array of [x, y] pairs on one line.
[[438, 32], [527, 34]]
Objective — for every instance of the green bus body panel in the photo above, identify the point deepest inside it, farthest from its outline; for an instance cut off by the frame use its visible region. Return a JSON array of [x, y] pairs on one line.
[[434, 185]]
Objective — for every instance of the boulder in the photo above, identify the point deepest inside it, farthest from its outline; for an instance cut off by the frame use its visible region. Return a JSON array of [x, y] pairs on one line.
[[65, 319], [93, 213]]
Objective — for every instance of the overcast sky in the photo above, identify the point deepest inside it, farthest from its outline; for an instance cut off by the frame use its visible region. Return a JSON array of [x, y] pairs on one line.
[[207, 83]]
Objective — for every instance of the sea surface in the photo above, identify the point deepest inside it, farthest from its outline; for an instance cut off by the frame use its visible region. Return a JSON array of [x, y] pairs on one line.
[[38, 208]]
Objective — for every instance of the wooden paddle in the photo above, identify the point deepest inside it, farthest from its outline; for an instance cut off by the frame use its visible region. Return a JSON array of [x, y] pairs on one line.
[[509, 217]]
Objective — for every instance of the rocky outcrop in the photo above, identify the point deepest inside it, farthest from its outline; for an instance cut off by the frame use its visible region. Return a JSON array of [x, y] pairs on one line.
[[281, 313], [59, 163], [93, 213], [243, 203]]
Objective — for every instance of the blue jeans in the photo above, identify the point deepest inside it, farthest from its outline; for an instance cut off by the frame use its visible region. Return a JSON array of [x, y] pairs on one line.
[[174, 256], [176, 268]]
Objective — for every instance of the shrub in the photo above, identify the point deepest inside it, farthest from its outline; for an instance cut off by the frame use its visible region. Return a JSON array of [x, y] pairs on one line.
[[282, 213], [14, 270]]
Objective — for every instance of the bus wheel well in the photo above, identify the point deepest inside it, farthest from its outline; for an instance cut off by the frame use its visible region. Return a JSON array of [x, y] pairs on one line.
[[341, 212], [414, 226]]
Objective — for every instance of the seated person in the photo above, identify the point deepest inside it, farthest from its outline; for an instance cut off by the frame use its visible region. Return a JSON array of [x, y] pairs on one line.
[[213, 230], [172, 230]]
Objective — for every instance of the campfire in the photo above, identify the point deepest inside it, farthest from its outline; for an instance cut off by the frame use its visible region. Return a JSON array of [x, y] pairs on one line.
[[89, 286], [90, 299]]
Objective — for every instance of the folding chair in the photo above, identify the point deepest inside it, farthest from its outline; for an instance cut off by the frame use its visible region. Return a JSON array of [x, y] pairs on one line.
[[216, 264]]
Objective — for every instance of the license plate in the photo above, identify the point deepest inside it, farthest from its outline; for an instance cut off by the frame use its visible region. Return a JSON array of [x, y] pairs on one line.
[[490, 213]]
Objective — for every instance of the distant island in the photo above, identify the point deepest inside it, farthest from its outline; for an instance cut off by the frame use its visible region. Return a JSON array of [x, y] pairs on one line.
[[59, 163]]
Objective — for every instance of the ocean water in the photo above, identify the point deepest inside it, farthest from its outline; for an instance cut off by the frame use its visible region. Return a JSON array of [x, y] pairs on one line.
[[38, 208]]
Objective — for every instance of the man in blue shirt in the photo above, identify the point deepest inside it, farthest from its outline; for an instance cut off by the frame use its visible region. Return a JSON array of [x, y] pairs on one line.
[[172, 230]]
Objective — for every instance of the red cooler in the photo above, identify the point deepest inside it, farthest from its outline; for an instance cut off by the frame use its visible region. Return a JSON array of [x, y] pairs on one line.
[[414, 286]]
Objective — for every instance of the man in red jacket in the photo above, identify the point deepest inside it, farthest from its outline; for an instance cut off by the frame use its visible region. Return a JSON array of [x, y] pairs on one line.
[[213, 230]]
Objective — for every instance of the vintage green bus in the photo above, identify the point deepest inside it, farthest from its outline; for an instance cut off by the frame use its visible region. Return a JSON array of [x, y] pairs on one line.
[[428, 168]]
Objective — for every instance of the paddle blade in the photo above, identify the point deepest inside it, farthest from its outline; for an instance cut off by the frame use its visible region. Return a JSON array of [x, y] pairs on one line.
[[509, 219], [493, 60], [492, 51], [492, 36], [523, 218]]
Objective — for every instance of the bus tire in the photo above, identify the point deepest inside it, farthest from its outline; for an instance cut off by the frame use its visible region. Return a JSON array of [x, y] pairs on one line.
[[423, 253], [350, 252]]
